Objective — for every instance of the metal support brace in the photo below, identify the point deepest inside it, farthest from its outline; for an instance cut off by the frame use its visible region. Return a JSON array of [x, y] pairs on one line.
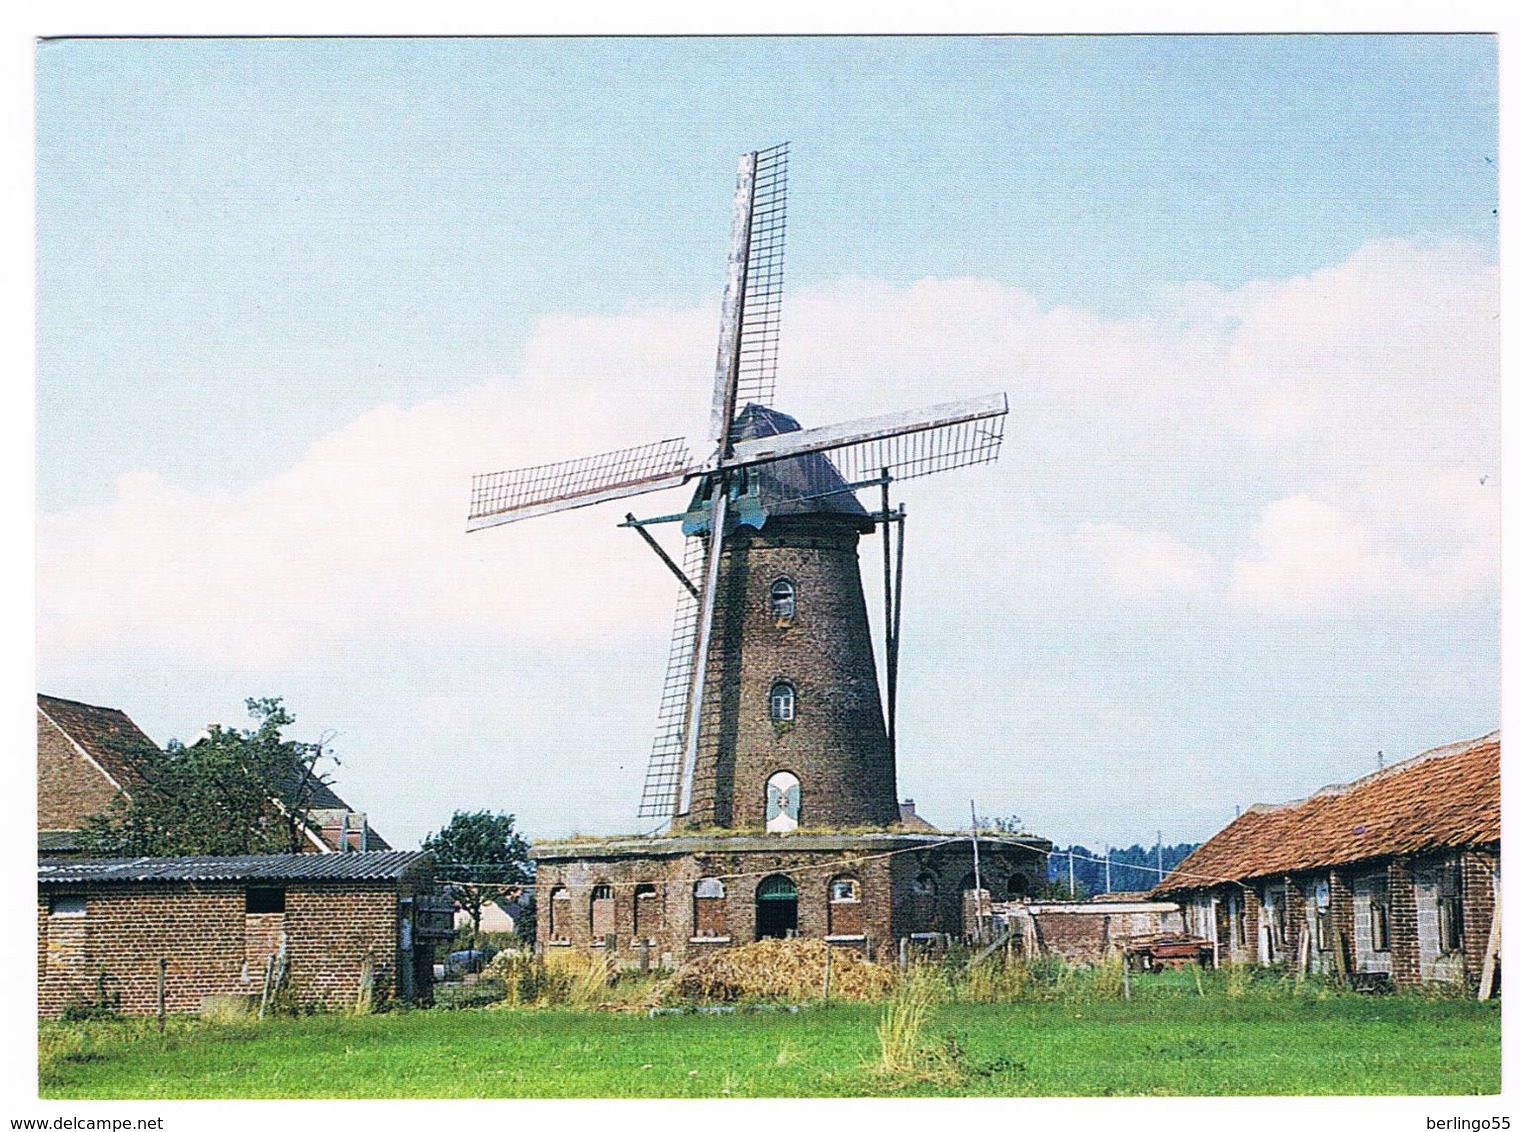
[[665, 558]]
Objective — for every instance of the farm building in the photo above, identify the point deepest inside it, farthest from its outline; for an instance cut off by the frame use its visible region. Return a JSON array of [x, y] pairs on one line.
[[659, 900], [1084, 931], [1392, 878], [87, 756], [323, 926]]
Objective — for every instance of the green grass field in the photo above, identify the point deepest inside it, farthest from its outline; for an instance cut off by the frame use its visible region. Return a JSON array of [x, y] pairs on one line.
[[1168, 1046]]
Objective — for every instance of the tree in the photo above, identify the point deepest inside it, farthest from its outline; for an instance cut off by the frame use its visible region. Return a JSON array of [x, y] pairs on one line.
[[481, 857], [228, 793]]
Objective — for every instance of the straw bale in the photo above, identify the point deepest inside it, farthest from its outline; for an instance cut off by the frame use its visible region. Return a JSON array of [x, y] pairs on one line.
[[789, 969]]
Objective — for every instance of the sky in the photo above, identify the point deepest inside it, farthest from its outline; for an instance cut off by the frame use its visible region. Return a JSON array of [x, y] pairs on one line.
[[1241, 292]]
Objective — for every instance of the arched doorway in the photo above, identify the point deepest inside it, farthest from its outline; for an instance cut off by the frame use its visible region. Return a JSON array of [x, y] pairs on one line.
[[775, 907]]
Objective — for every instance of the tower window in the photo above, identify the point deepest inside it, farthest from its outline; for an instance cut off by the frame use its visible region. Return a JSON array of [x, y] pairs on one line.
[[783, 598], [783, 701]]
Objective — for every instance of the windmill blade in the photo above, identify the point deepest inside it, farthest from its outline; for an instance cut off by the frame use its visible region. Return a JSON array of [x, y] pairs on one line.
[[750, 331], [662, 780], [523, 493], [913, 443]]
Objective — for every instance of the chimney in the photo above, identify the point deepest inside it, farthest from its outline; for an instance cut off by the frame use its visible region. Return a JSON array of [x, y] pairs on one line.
[[907, 808]]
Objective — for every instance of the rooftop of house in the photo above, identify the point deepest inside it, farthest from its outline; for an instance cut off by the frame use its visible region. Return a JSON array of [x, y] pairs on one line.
[[105, 734], [121, 748], [1444, 798], [276, 867]]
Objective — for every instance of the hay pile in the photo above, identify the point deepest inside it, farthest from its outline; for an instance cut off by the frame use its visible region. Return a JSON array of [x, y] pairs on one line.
[[786, 969]]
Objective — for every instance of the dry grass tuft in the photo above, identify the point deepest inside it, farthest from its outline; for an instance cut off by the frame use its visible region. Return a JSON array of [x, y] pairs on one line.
[[907, 1054]]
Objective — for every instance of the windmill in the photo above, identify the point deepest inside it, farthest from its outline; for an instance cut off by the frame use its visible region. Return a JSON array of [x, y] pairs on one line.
[[772, 500]]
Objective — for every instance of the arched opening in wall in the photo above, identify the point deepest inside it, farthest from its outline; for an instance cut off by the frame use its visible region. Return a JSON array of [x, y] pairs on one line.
[[603, 923], [647, 919], [710, 912], [783, 802], [925, 903], [846, 912], [559, 913], [775, 907], [783, 599], [975, 906]]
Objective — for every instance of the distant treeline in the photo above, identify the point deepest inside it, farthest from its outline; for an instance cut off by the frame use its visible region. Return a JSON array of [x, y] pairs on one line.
[[1129, 870]]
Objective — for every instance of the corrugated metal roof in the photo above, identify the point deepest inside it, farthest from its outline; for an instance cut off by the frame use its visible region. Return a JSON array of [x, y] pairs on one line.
[[273, 867], [57, 841], [1442, 799]]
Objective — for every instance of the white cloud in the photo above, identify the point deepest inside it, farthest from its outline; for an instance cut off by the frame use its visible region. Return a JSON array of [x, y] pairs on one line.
[[1334, 426]]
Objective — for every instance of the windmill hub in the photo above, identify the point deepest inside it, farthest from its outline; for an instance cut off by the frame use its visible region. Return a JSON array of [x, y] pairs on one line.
[[772, 720]]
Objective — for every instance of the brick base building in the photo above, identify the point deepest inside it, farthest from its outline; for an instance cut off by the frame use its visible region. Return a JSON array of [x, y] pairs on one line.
[[658, 900], [1393, 877], [334, 921]]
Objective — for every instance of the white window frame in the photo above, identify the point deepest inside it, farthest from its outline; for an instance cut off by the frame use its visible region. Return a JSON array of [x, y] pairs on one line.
[[783, 702], [783, 595]]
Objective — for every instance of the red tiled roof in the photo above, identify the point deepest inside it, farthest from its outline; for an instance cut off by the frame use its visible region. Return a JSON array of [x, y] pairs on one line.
[[105, 735], [1444, 798]]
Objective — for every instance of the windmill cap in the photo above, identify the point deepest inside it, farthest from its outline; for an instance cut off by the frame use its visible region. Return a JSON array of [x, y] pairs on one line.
[[797, 485]]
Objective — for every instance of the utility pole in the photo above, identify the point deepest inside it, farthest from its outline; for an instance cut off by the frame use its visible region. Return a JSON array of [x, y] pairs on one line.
[[976, 871], [1071, 873], [1108, 866], [1159, 872]]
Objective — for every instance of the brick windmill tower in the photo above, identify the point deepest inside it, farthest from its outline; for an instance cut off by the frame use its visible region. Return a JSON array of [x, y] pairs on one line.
[[772, 722]]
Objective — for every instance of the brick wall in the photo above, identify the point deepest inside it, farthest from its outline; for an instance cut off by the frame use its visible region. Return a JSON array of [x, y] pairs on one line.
[[212, 945], [1478, 867], [837, 744], [69, 787], [1342, 923], [888, 909], [1294, 923], [1403, 925], [1250, 910]]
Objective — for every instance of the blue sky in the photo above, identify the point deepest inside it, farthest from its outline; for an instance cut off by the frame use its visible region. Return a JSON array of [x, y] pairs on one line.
[[1239, 291]]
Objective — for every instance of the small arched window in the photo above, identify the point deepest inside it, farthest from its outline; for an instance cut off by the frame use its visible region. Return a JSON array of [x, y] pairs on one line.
[[710, 917], [647, 918], [602, 912], [845, 913], [559, 913], [783, 701], [783, 598]]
